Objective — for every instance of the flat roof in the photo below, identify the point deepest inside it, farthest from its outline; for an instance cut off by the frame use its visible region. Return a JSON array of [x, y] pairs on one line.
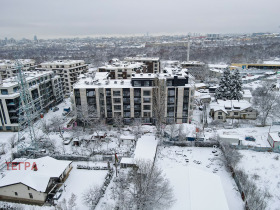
[[62, 62], [275, 136], [145, 149]]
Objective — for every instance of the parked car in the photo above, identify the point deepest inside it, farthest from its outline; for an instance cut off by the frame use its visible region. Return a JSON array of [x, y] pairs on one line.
[[55, 109], [250, 138]]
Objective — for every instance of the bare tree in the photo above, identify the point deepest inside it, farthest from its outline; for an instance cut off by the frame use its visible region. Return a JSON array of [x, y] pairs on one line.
[[56, 124], [266, 100], [137, 125], [86, 114], [13, 141], [91, 195], [173, 131], [118, 121], [231, 155], [159, 95], [254, 198], [72, 202], [181, 133], [151, 190]]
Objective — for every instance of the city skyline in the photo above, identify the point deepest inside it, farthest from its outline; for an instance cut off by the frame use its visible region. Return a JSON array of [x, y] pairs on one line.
[[20, 19]]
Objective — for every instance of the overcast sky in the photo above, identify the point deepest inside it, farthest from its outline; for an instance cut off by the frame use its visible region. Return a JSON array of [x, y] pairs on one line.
[[72, 18]]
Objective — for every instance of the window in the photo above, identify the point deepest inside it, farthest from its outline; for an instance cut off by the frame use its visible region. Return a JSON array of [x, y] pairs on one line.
[[169, 83], [119, 75], [117, 100], [147, 83], [220, 117], [16, 194], [147, 100], [147, 107], [137, 83], [30, 195], [171, 92], [147, 114], [117, 107], [171, 100], [220, 113], [126, 114], [90, 93], [235, 113], [116, 93], [119, 70], [146, 93], [4, 91]]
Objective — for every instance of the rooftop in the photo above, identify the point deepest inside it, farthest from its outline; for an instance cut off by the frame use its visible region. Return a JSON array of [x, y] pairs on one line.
[[230, 105], [48, 167], [62, 62], [142, 58], [29, 76]]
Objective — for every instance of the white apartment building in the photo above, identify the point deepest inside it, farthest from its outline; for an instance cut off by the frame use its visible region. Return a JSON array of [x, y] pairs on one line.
[[45, 89], [8, 67], [68, 70], [122, 69], [152, 63], [133, 98]]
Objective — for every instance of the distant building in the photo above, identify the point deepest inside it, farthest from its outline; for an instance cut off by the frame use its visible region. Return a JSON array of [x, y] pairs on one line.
[[8, 67], [152, 64], [196, 68], [268, 65], [232, 109], [122, 69], [68, 70], [44, 88], [33, 184]]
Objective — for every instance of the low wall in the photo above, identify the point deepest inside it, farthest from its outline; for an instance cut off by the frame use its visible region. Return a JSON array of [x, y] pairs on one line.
[[191, 143]]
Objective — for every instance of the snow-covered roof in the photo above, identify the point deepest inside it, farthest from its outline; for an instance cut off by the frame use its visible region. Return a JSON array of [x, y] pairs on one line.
[[230, 105], [126, 160], [146, 149], [141, 58], [121, 65], [218, 66], [275, 136], [247, 94], [126, 137], [62, 62], [29, 76], [48, 167], [205, 190], [272, 62]]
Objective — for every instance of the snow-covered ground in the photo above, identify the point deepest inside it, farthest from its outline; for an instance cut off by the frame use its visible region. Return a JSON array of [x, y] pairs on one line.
[[172, 161], [80, 180], [264, 169]]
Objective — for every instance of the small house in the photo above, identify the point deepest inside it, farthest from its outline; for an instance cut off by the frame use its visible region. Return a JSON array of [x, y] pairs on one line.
[[274, 139]]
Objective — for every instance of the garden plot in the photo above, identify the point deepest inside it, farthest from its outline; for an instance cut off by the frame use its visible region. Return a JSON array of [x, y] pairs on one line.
[[175, 161], [80, 180], [264, 169]]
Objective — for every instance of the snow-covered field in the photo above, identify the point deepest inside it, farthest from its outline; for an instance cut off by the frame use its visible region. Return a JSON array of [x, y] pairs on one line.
[[172, 161], [264, 169]]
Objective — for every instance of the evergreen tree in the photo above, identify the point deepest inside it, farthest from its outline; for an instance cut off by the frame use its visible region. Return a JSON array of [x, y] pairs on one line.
[[224, 89], [230, 86], [236, 86]]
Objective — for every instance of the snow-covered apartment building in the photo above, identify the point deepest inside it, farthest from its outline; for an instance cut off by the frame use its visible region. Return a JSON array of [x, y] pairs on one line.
[[122, 69], [68, 70], [133, 98], [152, 63], [8, 67], [45, 89]]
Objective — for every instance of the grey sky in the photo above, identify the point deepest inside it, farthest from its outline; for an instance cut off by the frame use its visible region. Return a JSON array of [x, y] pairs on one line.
[[66, 18]]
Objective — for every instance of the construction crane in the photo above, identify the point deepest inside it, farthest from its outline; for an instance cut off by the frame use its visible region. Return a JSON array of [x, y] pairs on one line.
[[26, 114]]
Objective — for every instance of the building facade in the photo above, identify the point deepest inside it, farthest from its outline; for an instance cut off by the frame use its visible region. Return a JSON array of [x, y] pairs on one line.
[[8, 67], [152, 64], [68, 70], [45, 89], [134, 98], [122, 69]]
